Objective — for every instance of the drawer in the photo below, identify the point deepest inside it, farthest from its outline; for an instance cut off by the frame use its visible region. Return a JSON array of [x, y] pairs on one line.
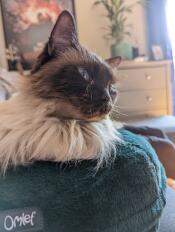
[[124, 117], [142, 78], [140, 101]]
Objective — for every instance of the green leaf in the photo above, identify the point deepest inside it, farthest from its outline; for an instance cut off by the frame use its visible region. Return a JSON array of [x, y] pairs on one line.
[[128, 33], [143, 3], [116, 12], [129, 25], [97, 3]]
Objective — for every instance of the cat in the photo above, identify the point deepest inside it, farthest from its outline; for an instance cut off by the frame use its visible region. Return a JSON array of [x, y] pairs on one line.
[[61, 111]]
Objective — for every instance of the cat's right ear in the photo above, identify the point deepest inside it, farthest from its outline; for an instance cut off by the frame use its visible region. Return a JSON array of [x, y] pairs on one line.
[[63, 36], [114, 62]]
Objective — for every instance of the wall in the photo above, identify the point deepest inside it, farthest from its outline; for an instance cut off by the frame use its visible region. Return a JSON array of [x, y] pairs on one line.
[[137, 19], [2, 45], [91, 23]]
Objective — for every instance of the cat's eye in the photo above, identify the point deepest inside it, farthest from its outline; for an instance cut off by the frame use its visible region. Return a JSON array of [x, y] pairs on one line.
[[84, 73], [112, 88]]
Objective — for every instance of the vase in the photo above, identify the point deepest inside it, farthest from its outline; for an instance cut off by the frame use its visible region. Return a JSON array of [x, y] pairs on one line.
[[122, 49]]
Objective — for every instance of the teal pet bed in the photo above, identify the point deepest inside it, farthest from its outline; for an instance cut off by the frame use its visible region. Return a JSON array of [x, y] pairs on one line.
[[126, 196]]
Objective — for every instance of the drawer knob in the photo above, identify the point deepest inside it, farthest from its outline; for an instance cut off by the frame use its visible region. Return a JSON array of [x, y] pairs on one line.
[[148, 77], [149, 99]]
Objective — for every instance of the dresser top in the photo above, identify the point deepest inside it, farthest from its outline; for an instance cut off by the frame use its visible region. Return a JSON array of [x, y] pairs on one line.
[[140, 64]]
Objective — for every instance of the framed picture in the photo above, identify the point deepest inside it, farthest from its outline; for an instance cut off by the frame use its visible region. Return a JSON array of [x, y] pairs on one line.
[[27, 25], [157, 52]]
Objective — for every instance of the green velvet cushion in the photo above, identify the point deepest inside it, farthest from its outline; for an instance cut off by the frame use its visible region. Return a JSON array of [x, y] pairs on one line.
[[125, 197]]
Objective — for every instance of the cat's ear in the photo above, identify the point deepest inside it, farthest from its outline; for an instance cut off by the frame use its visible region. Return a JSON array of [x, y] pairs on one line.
[[63, 35], [114, 62]]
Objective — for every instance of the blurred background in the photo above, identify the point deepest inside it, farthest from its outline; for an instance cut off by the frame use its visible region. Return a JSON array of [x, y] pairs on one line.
[[142, 32], [146, 23]]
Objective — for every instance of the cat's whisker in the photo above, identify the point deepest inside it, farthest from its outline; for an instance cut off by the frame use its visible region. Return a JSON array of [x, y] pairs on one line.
[[118, 107], [118, 113]]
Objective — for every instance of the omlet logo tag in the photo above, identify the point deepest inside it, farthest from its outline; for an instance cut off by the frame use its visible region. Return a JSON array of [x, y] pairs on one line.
[[18, 220]]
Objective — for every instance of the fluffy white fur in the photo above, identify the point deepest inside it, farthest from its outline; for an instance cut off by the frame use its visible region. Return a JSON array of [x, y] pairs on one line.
[[28, 134]]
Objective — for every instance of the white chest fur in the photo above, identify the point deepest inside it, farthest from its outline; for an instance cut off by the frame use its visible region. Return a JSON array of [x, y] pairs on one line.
[[27, 134]]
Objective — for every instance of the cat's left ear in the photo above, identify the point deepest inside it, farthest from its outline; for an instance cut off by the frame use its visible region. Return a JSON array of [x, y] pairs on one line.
[[114, 62], [63, 35]]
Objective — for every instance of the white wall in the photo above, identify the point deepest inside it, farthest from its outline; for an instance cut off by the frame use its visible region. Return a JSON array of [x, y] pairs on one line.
[[91, 23], [2, 45], [137, 19]]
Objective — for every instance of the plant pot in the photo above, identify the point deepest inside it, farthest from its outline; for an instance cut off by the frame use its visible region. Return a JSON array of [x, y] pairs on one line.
[[123, 49]]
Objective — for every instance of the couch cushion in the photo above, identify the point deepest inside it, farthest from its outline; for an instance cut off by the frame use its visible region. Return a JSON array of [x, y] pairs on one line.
[[164, 123], [168, 218]]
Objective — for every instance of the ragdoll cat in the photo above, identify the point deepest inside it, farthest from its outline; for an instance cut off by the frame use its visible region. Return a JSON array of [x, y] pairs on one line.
[[61, 110]]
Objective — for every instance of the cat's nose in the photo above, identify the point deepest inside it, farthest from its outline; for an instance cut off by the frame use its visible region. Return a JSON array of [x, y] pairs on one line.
[[104, 98]]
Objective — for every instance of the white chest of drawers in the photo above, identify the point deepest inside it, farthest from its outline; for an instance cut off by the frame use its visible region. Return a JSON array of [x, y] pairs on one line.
[[145, 89]]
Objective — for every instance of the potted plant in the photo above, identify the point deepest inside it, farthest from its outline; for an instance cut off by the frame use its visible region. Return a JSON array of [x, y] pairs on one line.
[[119, 27]]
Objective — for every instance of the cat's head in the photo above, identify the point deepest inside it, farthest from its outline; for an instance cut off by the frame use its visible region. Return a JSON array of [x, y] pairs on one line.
[[81, 84]]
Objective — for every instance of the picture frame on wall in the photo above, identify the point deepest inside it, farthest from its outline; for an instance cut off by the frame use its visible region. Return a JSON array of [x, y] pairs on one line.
[[27, 25]]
